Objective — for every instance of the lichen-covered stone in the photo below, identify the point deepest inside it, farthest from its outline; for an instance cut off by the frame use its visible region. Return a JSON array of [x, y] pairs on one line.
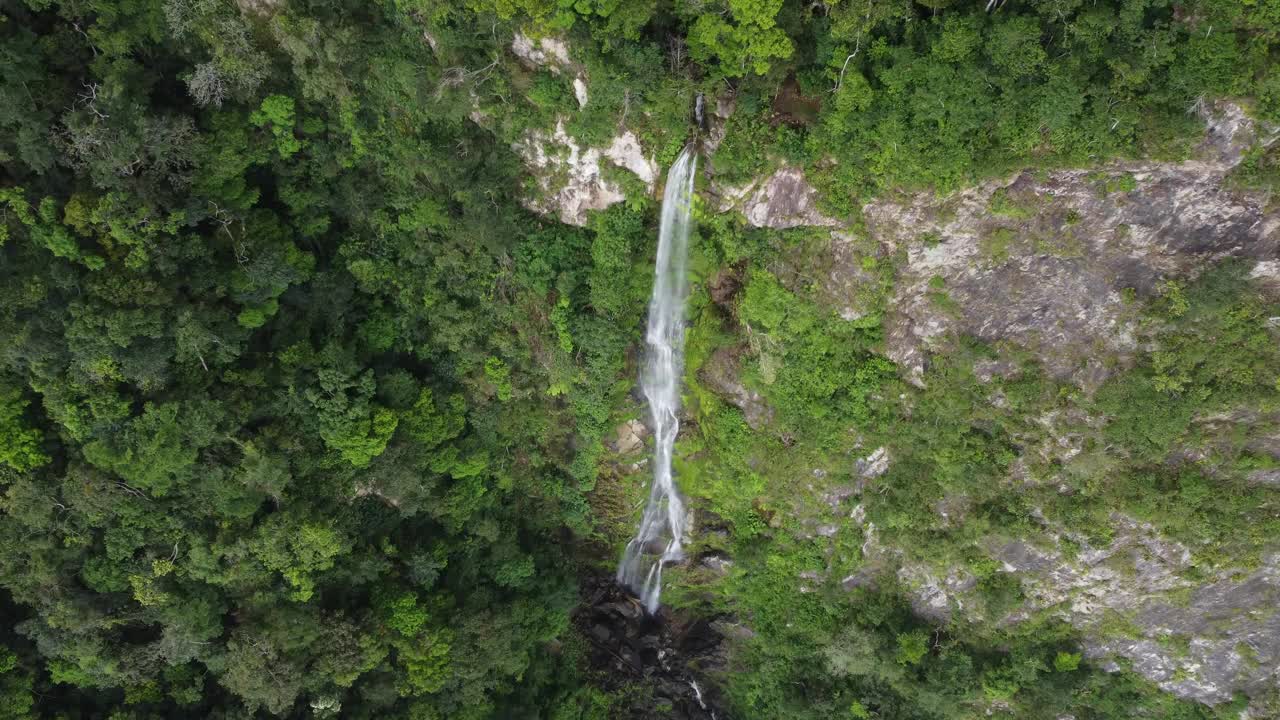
[[569, 178], [625, 152]]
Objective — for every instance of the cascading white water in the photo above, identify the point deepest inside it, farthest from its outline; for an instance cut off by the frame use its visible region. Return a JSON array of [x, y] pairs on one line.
[[663, 525]]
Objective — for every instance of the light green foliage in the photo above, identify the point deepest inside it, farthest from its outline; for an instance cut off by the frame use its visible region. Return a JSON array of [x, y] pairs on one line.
[[19, 443], [947, 441], [912, 647], [1259, 169], [1014, 46], [997, 244], [498, 375], [426, 665], [515, 573], [961, 38], [405, 616], [348, 421], [298, 553], [432, 424], [1066, 662], [749, 43], [157, 449], [277, 113], [1049, 73], [362, 440], [1211, 352], [819, 367], [43, 227], [17, 699], [1217, 352], [256, 317], [560, 320], [1109, 184], [1004, 205], [612, 289]]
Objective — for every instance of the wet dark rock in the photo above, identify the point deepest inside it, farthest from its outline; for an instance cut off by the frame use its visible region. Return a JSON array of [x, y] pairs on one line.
[[724, 286], [663, 654], [627, 609], [710, 523], [656, 546]]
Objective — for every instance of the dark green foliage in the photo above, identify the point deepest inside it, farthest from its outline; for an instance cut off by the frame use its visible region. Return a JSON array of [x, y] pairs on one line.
[[276, 403], [819, 367]]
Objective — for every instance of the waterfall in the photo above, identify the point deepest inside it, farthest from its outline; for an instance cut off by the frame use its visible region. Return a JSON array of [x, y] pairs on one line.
[[658, 539]]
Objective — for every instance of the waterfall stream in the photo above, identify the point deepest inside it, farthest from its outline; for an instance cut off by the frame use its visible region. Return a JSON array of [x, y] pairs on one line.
[[661, 532]]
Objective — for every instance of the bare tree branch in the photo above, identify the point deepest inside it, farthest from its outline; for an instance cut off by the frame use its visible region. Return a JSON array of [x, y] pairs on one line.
[[856, 47]]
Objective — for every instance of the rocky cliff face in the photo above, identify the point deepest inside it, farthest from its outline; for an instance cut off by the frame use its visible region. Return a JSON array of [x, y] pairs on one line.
[[1046, 260], [570, 178], [1052, 263], [780, 201], [1042, 259]]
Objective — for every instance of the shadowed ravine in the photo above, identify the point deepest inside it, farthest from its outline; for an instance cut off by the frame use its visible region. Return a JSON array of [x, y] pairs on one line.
[[658, 540]]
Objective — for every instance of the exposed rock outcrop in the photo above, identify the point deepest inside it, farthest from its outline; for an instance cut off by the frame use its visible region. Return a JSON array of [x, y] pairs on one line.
[[934, 598], [1189, 637], [630, 437], [625, 152], [718, 122], [1131, 599], [1045, 260], [569, 177], [551, 53], [783, 200], [873, 465], [1051, 262]]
